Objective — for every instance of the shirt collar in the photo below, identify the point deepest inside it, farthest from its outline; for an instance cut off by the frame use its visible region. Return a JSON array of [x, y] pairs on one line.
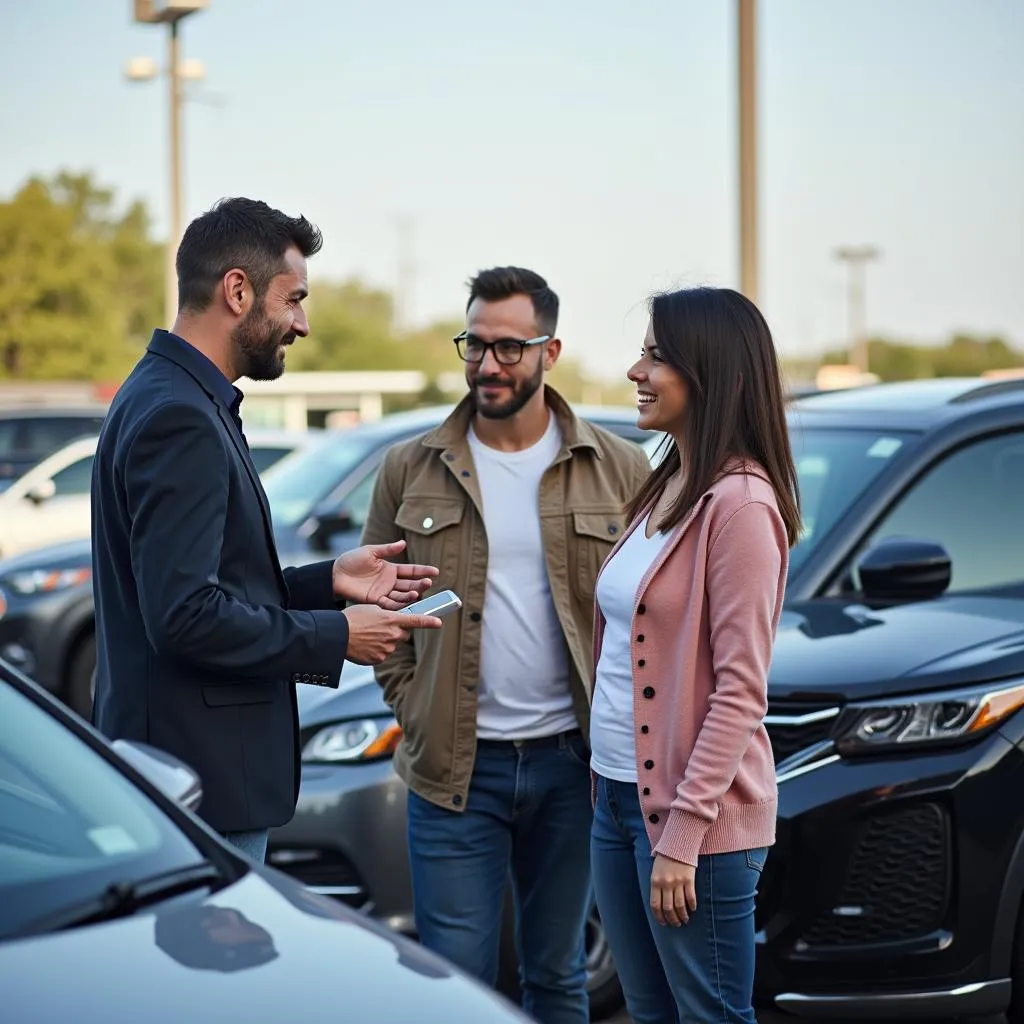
[[202, 368]]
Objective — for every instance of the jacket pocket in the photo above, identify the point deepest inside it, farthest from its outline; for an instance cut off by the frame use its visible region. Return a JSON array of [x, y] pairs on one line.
[[595, 532], [430, 528], [238, 693]]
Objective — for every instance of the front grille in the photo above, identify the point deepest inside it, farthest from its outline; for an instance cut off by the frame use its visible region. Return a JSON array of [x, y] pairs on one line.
[[793, 727], [323, 871], [897, 881]]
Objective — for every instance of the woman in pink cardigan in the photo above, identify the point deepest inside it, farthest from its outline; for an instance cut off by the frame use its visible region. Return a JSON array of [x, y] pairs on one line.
[[688, 604]]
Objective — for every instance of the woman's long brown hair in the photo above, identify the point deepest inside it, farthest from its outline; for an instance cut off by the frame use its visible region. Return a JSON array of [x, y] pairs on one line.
[[719, 342]]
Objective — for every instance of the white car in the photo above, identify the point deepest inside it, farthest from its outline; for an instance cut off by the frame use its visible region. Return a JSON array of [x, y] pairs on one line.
[[50, 503]]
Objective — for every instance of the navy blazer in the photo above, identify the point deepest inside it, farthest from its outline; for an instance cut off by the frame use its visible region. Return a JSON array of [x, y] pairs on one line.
[[201, 634]]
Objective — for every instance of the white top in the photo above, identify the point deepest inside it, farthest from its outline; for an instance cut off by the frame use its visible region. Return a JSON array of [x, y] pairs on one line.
[[524, 660], [612, 738]]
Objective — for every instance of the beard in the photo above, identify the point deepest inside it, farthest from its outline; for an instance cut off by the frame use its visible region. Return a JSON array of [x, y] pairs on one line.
[[519, 393], [258, 342]]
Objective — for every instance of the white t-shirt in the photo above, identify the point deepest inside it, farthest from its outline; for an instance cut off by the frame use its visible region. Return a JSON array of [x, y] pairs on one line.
[[524, 660], [612, 737]]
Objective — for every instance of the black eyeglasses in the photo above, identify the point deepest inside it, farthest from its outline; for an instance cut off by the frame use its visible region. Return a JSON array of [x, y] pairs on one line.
[[508, 351]]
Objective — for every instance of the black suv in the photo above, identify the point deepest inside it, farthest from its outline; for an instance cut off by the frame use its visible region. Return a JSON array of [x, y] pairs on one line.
[[29, 435]]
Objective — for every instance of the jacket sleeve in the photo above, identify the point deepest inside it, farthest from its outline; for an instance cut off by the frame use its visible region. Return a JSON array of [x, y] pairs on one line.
[[311, 587], [395, 673], [743, 586], [176, 488]]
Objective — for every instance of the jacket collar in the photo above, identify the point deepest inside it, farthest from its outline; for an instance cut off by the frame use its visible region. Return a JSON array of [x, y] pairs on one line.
[[576, 433], [193, 362]]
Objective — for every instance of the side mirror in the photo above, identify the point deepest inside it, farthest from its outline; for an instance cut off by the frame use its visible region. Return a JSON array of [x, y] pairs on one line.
[[904, 569], [40, 492], [172, 777], [326, 525]]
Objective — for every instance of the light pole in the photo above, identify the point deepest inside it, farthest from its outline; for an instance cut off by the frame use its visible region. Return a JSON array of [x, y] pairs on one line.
[[746, 36], [169, 13], [856, 258]]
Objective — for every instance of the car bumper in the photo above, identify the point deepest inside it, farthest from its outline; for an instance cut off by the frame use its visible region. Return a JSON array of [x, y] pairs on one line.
[[348, 839], [880, 894]]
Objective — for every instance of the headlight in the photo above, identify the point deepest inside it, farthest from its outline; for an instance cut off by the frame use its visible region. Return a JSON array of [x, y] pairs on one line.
[[362, 739], [931, 718], [45, 581]]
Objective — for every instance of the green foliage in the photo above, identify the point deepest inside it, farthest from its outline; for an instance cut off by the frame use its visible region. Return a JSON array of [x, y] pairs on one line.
[[80, 285], [962, 356]]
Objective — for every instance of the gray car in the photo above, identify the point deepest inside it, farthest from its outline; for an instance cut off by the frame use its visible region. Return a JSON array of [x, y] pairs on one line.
[[119, 905]]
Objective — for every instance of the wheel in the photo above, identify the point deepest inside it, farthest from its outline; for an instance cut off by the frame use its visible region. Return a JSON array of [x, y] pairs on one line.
[[603, 986], [80, 682]]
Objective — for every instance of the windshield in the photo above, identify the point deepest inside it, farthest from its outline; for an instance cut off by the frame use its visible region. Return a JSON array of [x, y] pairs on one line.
[[70, 823], [300, 481], [834, 467]]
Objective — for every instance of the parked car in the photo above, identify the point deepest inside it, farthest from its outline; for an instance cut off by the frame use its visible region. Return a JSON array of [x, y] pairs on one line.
[[320, 496], [163, 920], [28, 435], [896, 885], [46, 607]]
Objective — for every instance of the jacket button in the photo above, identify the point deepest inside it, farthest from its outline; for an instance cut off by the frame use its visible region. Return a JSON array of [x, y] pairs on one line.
[[613, 529], [645, 728], [457, 800], [465, 472], [653, 819], [641, 663], [648, 692], [640, 639], [647, 791], [641, 609], [648, 765], [475, 616]]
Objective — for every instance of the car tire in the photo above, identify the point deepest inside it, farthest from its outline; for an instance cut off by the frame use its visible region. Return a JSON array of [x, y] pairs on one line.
[[80, 681], [603, 988]]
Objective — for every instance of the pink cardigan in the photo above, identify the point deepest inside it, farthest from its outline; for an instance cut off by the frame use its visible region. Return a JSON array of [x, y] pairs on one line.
[[704, 624]]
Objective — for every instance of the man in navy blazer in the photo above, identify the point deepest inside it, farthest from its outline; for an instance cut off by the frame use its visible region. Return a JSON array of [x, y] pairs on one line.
[[201, 634]]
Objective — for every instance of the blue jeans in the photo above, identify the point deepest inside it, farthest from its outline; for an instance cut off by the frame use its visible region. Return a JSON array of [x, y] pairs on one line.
[[253, 844], [528, 812], [699, 973]]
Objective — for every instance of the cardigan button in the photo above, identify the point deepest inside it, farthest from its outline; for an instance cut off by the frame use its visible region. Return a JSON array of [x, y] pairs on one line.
[[641, 608], [648, 692], [645, 728], [641, 663], [648, 764], [647, 792], [640, 639], [653, 819]]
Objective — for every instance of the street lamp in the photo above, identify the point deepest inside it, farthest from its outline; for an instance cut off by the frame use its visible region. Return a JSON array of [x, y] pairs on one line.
[[856, 257], [169, 13]]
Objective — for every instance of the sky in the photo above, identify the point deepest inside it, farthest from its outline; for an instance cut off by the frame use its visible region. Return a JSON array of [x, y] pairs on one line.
[[595, 143]]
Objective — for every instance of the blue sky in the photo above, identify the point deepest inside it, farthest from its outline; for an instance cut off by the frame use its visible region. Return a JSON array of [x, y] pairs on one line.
[[593, 142]]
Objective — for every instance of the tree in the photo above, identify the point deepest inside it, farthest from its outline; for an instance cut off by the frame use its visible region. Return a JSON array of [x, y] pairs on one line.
[[77, 282]]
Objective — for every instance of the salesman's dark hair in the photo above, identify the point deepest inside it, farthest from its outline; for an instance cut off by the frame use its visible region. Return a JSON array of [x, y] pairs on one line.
[[243, 234]]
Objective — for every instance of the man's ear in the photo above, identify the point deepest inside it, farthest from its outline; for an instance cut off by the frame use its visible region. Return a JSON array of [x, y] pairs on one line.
[[552, 350], [237, 291]]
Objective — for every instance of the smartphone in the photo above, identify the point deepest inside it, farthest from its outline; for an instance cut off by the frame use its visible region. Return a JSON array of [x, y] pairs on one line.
[[439, 604]]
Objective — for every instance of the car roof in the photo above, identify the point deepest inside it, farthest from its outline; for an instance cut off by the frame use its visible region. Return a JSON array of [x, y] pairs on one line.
[[910, 404], [39, 412]]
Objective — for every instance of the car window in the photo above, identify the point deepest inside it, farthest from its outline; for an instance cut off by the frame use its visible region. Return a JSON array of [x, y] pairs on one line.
[[70, 823], [264, 457], [358, 500], [973, 504], [74, 479]]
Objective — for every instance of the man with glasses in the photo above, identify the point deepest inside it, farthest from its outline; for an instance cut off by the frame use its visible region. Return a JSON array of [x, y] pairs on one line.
[[518, 502]]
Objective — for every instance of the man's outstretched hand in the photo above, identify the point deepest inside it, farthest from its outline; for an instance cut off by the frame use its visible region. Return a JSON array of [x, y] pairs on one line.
[[373, 633], [365, 576]]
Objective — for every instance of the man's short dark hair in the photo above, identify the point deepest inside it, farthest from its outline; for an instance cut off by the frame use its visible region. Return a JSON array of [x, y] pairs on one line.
[[238, 233], [503, 282]]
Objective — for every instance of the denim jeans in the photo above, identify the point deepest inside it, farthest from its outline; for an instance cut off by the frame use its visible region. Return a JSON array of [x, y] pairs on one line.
[[699, 973], [253, 844], [528, 813]]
